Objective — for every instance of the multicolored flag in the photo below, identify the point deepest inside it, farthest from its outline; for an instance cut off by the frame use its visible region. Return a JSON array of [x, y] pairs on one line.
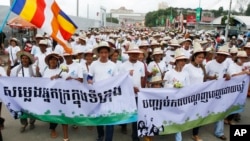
[[47, 15]]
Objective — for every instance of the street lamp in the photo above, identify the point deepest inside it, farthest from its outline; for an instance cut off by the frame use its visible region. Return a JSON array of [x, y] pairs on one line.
[[228, 19]]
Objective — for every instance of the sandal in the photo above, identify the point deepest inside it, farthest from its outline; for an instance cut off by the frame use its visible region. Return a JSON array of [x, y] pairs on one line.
[[223, 137], [66, 139], [53, 134]]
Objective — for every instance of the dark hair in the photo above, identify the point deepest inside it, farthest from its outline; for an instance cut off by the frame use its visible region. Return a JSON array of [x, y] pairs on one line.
[[98, 49], [196, 54], [30, 62]]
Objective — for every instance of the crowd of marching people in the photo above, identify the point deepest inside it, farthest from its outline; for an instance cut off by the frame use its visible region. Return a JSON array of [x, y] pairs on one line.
[[154, 59]]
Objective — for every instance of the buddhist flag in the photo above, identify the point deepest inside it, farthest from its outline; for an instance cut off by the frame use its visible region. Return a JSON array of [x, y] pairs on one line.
[[47, 15]]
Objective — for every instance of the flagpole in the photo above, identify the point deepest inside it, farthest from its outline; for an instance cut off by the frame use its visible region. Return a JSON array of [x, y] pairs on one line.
[[7, 16]]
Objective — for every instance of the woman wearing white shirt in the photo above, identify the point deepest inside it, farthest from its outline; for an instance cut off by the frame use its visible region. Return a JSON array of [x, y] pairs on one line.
[[177, 75], [236, 69], [157, 67], [53, 71], [12, 50], [2, 73], [24, 69], [197, 74]]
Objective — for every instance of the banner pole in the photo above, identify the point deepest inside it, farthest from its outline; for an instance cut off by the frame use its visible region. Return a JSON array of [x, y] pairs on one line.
[[7, 16]]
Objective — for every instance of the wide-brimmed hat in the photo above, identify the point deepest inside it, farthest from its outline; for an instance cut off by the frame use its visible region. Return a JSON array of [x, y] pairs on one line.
[[167, 38], [103, 44], [174, 43], [198, 48], [82, 37], [154, 43], [144, 43], [223, 50], [179, 55], [234, 49], [112, 42], [38, 36], [14, 39], [242, 54], [157, 51], [43, 42], [55, 55], [89, 51], [21, 53], [133, 48], [156, 79], [181, 41], [145, 53]]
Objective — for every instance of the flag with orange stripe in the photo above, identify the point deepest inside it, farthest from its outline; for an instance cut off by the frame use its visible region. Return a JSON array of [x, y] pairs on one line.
[[47, 15]]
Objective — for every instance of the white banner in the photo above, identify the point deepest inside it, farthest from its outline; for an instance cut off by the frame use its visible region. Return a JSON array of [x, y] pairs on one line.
[[106, 102], [165, 111]]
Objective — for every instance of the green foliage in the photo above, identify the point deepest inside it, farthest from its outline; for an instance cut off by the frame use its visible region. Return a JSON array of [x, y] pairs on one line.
[[247, 12], [223, 20], [112, 20]]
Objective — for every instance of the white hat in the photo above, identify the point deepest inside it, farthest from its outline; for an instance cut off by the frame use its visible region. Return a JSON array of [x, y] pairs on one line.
[[133, 48], [21, 53], [154, 43], [82, 37], [174, 42], [181, 40], [223, 50], [198, 48], [210, 49], [14, 39], [242, 53], [89, 51], [179, 55], [39, 35], [43, 42], [167, 38], [144, 43], [234, 49], [156, 79], [103, 44], [112, 43], [157, 50]]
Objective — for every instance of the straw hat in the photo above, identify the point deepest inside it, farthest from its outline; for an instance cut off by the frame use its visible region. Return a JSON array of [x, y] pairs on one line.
[[223, 50], [133, 48], [174, 43], [154, 43], [167, 38], [82, 37], [210, 49], [144, 43], [145, 53], [89, 51], [55, 55], [43, 42], [157, 51], [234, 49], [181, 41], [242, 54], [112, 43], [103, 44], [198, 48], [156, 79], [21, 53], [38, 36], [179, 55], [14, 39]]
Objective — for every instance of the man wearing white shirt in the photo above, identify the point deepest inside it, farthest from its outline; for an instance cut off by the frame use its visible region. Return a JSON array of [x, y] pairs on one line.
[[102, 69], [136, 70]]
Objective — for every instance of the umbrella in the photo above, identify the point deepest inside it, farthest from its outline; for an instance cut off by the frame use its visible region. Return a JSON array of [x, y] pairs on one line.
[[18, 22]]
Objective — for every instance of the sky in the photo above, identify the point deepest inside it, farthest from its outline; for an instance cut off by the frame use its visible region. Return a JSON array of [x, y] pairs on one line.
[[140, 6]]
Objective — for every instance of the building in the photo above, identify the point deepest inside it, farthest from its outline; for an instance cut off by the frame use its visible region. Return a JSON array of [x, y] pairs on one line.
[[127, 17], [162, 5]]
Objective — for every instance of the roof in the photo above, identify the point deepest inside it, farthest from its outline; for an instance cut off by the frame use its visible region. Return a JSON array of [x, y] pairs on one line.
[[244, 20]]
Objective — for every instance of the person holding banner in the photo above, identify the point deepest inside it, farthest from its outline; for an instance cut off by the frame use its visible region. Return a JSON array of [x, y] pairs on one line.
[[236, 69], [177, 77], [136, 70], [24, 69], [197, 74], [247, 64], [53, 71], [102, 69], [216, 69]]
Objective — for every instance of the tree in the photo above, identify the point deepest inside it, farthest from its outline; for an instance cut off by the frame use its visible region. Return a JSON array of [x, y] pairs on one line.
[[247, 12], [112, 20]]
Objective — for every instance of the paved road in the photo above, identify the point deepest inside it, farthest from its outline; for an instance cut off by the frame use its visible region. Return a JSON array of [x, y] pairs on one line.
[[42, 132]]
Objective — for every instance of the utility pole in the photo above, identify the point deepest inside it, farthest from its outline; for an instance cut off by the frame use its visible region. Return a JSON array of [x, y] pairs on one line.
[[77, 8], [228, 19], [87, 11]]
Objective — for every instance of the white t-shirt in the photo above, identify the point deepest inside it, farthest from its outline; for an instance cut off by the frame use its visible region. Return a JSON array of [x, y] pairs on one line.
[[59, 49], [19, 72], [101, 71], [169, 56], [138, 71], [12, 53], [75, 71], [40, 61], [234, 69], [161, 67], [35, 50], [48, 73], [173, 76], [215, 68], [2, 71], [196, 75]]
